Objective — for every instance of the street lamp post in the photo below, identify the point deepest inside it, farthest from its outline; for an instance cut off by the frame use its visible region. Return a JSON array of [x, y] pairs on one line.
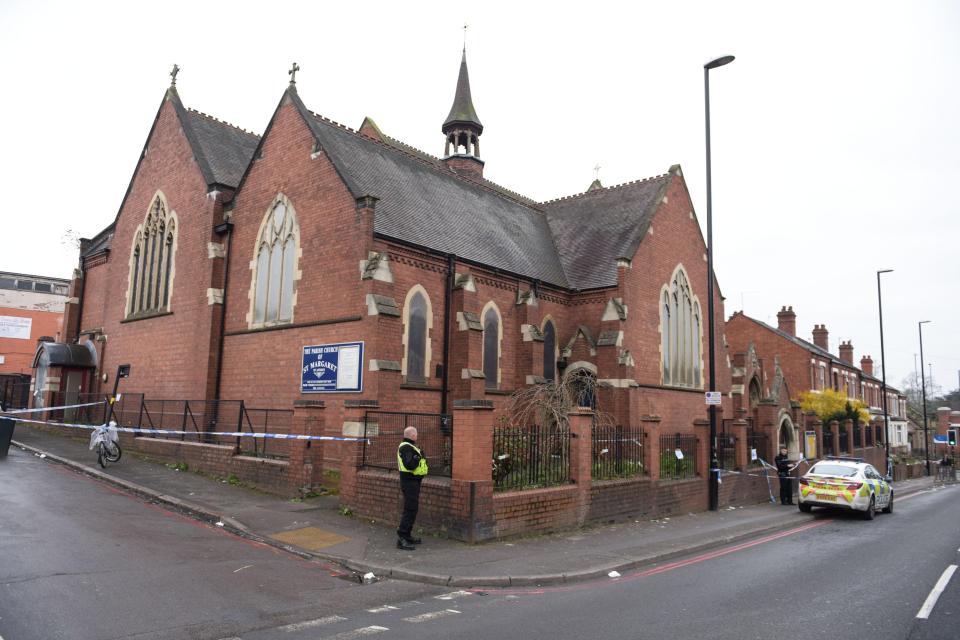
[[923, 384], [714, 484], [883, 370]]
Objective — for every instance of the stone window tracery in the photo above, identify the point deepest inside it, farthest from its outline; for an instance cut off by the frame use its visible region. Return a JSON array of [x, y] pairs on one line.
[[680, 334], [275, 266], [549, 351], [152, 262], [417, 322]]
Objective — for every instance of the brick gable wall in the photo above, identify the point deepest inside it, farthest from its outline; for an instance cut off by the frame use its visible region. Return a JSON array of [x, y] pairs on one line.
[[169, 354]]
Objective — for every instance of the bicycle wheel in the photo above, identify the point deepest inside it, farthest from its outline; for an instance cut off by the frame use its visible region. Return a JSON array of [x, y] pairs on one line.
[[101, 455], [112, 452]]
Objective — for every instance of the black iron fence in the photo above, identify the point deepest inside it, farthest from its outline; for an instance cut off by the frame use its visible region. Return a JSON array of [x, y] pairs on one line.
[[857, 436], [383, 431], [844, 440], [678, 457], [726, 445], [758, 447], [617, 452], [868, 435], [14, 392], [828, 442], [530, 457], [194, 419]]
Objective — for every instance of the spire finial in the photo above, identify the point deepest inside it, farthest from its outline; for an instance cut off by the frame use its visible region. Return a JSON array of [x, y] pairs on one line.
[[293, 73], [465, 25], [173, 75]]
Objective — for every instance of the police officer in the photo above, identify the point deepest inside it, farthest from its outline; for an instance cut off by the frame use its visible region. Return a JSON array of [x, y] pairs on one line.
[[413, 468], [783, 472]]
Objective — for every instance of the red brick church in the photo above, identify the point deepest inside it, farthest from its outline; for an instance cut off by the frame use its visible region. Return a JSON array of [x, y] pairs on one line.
[[232, 255]]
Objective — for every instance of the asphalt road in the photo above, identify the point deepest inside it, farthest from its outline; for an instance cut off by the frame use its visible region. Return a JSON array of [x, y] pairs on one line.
[[81, 560], [88, 562]]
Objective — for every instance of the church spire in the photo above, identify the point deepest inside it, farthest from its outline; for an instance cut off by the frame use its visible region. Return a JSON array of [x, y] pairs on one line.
[[462, 128]]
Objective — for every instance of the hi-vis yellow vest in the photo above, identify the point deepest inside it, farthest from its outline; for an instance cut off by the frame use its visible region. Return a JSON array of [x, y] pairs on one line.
[[421, 469]]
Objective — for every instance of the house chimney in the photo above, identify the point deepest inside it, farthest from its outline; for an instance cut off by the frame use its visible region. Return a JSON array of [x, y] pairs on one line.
[[821, 337], [787, 321], [866, 365], [846, 351]]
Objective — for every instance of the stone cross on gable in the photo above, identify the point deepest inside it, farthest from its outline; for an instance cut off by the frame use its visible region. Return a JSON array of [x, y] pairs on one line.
[[596, 170], [173, 75], [293, 73]]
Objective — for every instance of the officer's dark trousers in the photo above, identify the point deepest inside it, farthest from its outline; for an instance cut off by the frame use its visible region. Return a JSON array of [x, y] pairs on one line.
[[410, 487], [786, 489]]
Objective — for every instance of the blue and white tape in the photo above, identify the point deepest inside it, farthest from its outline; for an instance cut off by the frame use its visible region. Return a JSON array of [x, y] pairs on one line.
[[226, 434], [38, 410]]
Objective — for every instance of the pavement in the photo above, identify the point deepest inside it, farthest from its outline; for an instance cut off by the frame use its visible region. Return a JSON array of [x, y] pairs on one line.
[[316, 528]]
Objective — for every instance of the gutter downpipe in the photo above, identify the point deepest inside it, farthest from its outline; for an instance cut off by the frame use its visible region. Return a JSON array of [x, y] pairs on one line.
[[225, 227], [447, 295]]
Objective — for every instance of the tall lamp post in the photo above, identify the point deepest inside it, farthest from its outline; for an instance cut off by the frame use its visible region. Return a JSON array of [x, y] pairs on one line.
[[923, 384], [714, 491], [883, 370]]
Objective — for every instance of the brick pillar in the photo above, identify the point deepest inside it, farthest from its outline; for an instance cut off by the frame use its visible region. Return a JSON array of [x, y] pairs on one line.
[[651, 446], [741, 451], [351, 456], [835, 432], [701, 428], [581, 458], [472, 481], [306, 456]]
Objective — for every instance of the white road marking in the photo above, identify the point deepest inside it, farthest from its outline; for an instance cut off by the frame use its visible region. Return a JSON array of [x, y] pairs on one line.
[[383, 609], [454, 595], [242, 568], [356, 633], [309, 624], [938, 588], [433, 615]]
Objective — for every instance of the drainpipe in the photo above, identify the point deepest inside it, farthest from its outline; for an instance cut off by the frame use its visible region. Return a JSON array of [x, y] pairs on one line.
[[447, 294], [222, 228]]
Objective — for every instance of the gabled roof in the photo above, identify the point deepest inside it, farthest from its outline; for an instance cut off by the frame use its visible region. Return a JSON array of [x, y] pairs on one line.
[[809, 346], [594, 229], [99, 243], [225, 149], [424, 204]]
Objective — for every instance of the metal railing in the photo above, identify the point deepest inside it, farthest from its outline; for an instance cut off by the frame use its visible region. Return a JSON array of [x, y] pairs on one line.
[[14, 392], [828, 442], [530, 457], [857, 436], [759, 442], [617, 452], [383, 431], [678, 457], [844, 440]]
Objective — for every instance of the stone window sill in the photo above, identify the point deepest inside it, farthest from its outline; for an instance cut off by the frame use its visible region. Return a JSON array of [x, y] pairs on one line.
[[146, 316]]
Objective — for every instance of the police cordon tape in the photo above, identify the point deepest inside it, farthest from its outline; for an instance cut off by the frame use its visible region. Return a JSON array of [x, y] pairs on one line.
[[766, 465], [66, 406], [228, 434]]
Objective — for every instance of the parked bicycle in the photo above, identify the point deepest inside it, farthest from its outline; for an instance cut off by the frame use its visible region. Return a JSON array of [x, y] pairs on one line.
[[106, 441]]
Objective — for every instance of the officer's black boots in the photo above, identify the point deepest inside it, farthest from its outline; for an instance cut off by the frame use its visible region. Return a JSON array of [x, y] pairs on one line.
[[403, 545]]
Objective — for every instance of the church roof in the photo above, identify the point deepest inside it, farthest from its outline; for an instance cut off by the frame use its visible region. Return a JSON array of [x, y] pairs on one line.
[[226, 149], [572, 243], [593, 230], [424, 204], [462, 110]]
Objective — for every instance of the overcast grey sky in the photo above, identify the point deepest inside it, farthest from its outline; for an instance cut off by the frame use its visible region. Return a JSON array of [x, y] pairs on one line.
[[835, 137]]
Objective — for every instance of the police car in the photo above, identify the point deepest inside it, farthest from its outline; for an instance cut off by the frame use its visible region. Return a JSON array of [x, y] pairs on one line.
[[846, 483]]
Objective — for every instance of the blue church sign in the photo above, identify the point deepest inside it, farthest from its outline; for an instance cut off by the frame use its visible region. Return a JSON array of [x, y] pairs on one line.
[[332, 368]]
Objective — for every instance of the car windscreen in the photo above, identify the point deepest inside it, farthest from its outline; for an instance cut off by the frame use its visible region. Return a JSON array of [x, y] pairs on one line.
[[834, 470]]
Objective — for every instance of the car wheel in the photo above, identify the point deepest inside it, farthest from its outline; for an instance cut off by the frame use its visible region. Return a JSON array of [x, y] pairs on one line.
[[871, 511], [889, 507], [805, 507]]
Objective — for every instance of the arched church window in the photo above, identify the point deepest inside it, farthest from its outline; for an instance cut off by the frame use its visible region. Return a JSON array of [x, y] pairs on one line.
[[681, 343], [276, 265], [549, 351], [417, 321], [152, 262], [491, 346]]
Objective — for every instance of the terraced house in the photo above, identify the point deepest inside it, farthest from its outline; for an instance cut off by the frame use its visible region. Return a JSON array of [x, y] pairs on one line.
[[246, 268]]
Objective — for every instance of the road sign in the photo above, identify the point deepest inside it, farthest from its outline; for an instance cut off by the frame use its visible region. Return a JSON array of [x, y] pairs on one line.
[[713, 397], [938, 439]]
